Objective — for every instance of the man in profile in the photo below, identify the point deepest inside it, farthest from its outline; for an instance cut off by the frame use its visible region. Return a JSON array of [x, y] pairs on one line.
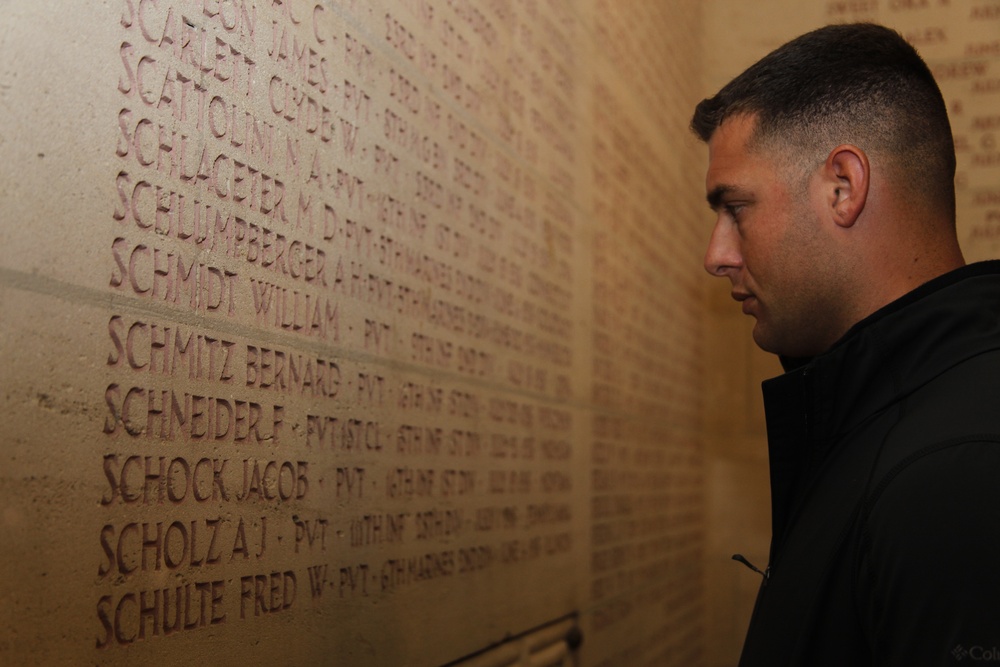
[[831, 173]]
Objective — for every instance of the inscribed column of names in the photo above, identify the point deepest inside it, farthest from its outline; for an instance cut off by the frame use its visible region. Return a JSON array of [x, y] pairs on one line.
[[367, 410], [646, 512], [324, 341]]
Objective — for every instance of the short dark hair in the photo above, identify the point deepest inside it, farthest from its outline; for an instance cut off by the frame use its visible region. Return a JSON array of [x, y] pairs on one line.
[[858, 83]]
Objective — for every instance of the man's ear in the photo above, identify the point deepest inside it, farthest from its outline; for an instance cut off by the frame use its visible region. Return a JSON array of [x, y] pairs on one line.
[[847, 175]]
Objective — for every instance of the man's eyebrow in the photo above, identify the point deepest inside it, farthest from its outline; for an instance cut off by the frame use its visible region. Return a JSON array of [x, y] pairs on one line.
[[717, 194], [720, 193]]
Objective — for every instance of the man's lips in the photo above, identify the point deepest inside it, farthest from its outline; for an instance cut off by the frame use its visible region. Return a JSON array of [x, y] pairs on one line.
[[746, 299]]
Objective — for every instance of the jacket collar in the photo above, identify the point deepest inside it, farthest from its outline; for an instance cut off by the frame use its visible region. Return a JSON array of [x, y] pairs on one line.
[[881, 359]]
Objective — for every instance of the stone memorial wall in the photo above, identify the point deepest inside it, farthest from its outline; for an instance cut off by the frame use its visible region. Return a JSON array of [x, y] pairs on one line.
[[352, 333], [375, 333]]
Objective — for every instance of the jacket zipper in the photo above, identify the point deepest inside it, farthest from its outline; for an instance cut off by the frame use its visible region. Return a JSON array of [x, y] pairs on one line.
[[766, 573]]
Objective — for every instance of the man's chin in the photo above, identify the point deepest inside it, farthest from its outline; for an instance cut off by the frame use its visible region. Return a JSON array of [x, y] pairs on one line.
[[765, 341]]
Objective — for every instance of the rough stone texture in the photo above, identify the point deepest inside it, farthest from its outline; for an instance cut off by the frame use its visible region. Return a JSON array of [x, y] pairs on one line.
[[361, 333], [446, 264]]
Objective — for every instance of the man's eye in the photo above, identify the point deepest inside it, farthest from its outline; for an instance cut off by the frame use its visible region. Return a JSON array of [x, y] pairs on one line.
[[734, 210]]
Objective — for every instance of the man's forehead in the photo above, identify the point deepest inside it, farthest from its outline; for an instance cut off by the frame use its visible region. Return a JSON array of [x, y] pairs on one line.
[[735, 155], [727, 159], [733, 134], [738, 167]]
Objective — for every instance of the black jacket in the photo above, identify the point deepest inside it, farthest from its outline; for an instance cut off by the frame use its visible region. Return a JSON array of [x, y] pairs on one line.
[[885, 484]]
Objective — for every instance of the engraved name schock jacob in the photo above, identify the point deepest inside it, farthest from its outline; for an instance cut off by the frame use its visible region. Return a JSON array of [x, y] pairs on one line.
[[831, 174]]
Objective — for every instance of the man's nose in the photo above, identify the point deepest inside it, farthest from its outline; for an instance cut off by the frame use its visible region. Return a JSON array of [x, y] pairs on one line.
[[723, 254]]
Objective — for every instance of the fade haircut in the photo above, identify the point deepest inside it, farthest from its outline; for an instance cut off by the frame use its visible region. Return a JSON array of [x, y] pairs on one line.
[[860, 84]]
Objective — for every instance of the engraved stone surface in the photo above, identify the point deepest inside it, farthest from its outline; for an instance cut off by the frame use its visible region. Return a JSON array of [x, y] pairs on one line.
[[359, 333]]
